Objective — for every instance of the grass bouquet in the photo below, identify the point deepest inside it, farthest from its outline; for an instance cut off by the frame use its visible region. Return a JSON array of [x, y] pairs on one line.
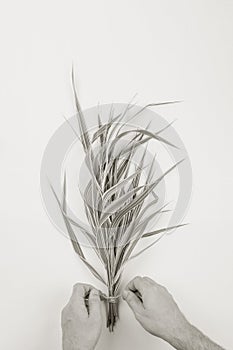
[[119, 200]]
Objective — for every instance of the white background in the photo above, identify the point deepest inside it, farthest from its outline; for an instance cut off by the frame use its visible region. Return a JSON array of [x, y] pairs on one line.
[[163, 50]]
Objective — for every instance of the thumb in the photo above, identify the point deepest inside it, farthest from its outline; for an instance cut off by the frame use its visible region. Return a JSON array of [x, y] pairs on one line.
[[94, 302], [133, 301]]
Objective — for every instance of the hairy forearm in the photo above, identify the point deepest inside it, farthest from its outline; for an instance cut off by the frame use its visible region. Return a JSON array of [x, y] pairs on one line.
[[193, 339], [70, 345]]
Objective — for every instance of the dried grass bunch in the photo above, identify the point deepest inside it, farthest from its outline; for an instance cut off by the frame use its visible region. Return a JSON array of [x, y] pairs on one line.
[[115, 198]]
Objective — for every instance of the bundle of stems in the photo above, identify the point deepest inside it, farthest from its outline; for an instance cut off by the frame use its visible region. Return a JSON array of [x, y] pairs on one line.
[[115, 198]]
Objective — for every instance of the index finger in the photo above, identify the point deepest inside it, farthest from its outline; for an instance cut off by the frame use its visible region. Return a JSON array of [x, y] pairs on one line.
[[80, 292], [82, 289], [137, 284]]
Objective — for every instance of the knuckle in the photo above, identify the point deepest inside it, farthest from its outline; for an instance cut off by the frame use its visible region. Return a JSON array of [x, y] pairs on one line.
[[64, 312], [162, 288], [137, 278], [77, 286], [147, 279], [81, 285]]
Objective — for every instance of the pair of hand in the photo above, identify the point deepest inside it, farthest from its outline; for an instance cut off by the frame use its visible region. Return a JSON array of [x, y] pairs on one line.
[[153, 307]]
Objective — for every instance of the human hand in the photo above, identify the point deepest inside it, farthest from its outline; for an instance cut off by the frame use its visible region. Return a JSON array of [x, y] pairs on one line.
[[155, 309], [82, 319]]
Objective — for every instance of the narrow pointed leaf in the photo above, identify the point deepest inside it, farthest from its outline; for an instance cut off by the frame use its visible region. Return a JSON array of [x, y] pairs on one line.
[[156, 232]]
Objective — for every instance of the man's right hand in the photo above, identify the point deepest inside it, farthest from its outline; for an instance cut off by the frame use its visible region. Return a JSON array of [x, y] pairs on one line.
[[155, 308], [158, 313]]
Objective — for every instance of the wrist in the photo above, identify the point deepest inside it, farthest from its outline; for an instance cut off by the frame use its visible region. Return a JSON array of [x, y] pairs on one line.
[[69, 345], [180, 336]]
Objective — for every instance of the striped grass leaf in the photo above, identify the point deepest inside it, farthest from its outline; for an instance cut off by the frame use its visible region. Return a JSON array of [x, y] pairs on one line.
[[117, 199], [75, 243]]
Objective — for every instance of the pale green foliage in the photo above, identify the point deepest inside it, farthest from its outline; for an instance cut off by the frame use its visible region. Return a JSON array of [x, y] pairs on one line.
[[115, 196]]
